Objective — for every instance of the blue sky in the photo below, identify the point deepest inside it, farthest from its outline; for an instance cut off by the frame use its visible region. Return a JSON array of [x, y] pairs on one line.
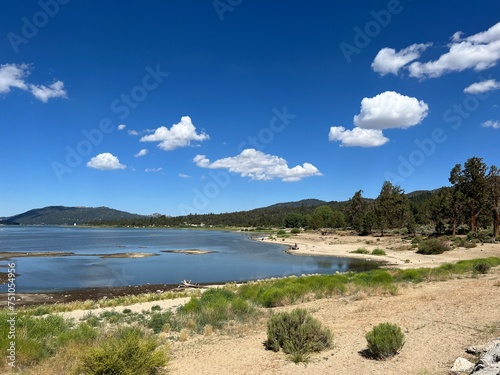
[[226, 105]]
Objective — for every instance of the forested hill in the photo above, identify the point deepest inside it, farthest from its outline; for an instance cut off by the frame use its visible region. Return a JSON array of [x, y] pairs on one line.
[[61, 215]]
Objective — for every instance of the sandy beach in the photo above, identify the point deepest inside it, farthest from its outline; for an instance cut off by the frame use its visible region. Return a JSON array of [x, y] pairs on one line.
[[399, 252]]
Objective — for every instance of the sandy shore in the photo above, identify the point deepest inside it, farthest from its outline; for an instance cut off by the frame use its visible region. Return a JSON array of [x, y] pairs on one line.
[[399, 252]]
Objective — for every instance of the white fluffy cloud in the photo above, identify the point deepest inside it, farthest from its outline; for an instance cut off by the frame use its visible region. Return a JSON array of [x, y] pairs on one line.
[[479, 52], [259, 166], [483, 86], [141, 153], [122, 126], [179, 135], [491, 124], [133, 132], [389, 61], [105, 162], [13, 76], [357, 137], [390, 110], [44, 93]]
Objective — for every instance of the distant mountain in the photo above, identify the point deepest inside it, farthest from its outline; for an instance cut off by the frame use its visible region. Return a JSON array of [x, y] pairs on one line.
[[298, 204], [61, 215]]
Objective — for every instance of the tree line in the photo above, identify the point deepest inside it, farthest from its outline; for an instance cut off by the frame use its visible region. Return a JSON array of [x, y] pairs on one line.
[[471, 203]]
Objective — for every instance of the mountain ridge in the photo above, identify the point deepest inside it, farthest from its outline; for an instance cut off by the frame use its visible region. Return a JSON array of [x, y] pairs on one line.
[[66, 215]]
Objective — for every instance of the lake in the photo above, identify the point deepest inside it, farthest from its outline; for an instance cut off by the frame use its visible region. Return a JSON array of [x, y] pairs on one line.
[[235, 257]]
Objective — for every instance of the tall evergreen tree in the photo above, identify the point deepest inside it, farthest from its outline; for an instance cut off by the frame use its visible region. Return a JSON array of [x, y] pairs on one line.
[[472, 182]]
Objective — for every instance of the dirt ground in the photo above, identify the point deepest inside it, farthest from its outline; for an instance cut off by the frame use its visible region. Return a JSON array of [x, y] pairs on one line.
[[440, 319]]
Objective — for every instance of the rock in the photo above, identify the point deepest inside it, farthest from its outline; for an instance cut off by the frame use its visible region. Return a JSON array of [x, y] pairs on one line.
[[489, 363], [462, 365]]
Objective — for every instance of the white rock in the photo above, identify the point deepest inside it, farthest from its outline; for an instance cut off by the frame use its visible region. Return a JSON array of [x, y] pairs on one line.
[[462, 365]]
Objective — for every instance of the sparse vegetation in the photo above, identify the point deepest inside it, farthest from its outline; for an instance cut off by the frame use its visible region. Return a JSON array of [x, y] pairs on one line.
[[361, 250], [127, 351], [433, 246], [43, 338], [378, 252], [384, 341], [298, 334]]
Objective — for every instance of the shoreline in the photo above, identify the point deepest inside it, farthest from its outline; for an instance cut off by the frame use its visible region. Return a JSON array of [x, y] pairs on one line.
[[399, 252]]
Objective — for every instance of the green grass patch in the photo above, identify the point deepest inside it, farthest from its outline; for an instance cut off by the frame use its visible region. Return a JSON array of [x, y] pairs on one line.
[[215, 307], [378, 252], [361, 250]]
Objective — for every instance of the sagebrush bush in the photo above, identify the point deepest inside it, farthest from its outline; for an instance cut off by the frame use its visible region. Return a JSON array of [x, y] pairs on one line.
[[361, 250], [433, 246], [297, 333], [385, 340], [482, 267], [378, 252], [128, 351]]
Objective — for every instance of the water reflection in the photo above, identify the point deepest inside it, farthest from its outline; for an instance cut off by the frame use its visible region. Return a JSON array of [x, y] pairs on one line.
[[237, 258]]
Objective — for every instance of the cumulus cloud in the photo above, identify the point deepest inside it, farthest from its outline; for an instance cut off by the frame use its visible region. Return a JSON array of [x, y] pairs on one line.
[[389, 61], [179, 135], [141, 153], [44, 93], [357, 137], [483, 86], [122, 126], [105, 162], [153, 170], [13, 76], [390, 110], [491, 124], [259, 166], [133, 132], [479, 52]]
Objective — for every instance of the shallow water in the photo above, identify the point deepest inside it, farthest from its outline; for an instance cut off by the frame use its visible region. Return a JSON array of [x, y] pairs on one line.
[[237, 258]]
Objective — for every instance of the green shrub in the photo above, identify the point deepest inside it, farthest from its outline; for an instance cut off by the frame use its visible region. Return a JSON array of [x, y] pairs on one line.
[[432, 246], [482, 236], [298, 334], [411, 275], [281, 232], [384, 341], [378, 252], [482, 267], [469, 245], [295, 231], [129, 351], [361, 250], [158, 321]]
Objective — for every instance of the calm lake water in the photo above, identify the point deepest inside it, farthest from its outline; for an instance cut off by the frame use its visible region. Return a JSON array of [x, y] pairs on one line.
[[237, 258]]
